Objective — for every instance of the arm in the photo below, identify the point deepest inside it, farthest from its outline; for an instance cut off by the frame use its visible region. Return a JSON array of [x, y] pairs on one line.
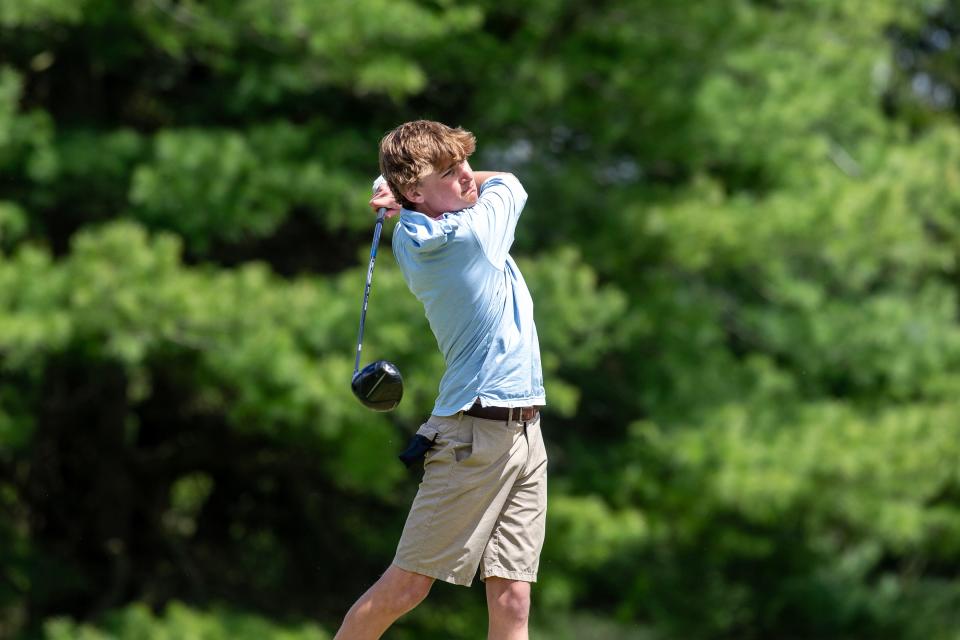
[[494, 217], [482, 176], [382, 197]]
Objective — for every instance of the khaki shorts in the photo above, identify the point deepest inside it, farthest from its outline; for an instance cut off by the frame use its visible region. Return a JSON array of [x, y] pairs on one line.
[[482, 502]]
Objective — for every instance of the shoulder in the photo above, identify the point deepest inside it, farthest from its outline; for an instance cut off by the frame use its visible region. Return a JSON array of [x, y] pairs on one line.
[[418, 233]]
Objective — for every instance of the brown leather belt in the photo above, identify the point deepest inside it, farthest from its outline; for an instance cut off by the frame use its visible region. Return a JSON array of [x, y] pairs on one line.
[[520, 414]]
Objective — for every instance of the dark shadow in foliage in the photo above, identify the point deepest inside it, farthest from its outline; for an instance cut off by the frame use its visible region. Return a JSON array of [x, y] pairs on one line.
[[272, 536]]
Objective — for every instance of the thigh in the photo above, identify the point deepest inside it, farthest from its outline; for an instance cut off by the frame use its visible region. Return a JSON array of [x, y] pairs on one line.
[[513, 551], [467, 478]]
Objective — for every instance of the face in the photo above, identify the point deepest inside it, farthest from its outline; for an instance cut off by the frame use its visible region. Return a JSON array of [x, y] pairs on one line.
[[448, 189]]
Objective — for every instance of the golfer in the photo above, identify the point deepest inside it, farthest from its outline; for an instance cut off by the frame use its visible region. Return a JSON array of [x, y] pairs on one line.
[[482, 502]]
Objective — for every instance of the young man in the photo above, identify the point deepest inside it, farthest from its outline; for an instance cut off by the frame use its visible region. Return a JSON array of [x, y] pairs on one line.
[[482, 501]]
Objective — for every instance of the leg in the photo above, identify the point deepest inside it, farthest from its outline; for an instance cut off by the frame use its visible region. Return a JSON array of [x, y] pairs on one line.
[[394, 594], [508, 607]]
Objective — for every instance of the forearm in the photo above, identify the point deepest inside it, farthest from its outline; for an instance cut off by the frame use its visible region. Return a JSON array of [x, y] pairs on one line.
[[482, 176]]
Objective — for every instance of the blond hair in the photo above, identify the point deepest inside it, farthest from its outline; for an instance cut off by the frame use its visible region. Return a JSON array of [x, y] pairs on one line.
[[414, 149]]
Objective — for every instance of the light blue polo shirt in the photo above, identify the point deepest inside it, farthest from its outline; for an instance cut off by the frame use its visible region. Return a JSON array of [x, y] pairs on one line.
[[475, 298]]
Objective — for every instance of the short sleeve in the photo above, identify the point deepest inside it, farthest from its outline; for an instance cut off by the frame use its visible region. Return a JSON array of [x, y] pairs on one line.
[[494, 217]]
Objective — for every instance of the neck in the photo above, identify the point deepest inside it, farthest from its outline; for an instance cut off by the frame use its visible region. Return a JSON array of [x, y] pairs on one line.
[[429, 214]]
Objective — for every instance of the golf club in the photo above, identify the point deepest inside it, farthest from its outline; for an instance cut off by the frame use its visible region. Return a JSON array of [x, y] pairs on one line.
[[378, 385]]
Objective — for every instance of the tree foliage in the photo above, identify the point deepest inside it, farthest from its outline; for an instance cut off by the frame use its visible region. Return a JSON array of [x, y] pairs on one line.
[[742, 241]]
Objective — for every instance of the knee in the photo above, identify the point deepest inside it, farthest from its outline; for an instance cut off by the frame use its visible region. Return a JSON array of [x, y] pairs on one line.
[[512, 605], [394, 594], [410, 593]]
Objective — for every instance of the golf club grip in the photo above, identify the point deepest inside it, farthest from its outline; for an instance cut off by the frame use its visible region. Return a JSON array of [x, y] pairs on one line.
[[381, 213]]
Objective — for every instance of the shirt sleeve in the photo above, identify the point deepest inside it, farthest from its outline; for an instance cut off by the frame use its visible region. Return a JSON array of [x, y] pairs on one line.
[[494, 217]]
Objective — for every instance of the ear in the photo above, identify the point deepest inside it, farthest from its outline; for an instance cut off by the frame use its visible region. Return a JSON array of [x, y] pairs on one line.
[[413, 194]]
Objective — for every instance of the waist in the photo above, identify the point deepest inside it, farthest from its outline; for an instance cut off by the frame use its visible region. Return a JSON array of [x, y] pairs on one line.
[[504, 414]]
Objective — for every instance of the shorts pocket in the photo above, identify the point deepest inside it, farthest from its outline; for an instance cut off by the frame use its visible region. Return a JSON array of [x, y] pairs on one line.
[[462, 450], [428, 431], [454, 438], [490, 442]]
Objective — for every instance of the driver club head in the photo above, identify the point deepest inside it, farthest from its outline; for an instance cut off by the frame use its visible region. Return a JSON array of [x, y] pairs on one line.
[[378, 385]]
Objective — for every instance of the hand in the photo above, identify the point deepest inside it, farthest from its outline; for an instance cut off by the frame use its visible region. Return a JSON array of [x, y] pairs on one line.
[[383, 197]]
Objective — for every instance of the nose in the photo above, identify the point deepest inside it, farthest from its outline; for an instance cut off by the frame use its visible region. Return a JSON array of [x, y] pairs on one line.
[[466, 174]]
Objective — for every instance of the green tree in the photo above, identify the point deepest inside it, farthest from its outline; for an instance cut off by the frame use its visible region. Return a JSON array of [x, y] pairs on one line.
[[742, 240]]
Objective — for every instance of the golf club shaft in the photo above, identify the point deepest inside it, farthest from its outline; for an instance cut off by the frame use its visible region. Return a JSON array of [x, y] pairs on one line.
[[366, 291]]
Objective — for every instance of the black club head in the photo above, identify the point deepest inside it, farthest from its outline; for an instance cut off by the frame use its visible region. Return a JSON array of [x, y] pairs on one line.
[[378, 385]]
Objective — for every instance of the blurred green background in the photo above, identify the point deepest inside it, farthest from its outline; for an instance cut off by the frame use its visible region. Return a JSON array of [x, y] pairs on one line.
[[742, 239]]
